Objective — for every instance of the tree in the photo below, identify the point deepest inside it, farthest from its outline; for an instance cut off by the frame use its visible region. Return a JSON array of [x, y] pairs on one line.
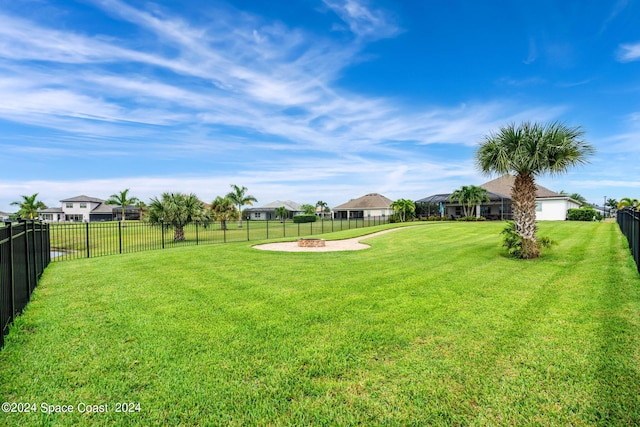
[[308, 209], [578, 198], [324, 207], [240, 198], [29, 206], [528, 150], [223, 210], [123, 200], [469, 196], [404, 209], [282, 213], [177, 210], [612, 204], [625, 202], [142, 208]]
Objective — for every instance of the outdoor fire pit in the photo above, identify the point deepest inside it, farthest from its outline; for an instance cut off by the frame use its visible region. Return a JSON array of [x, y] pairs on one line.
[[311, 243]]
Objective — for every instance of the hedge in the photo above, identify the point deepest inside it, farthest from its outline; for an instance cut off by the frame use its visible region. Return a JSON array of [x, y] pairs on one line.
[[304, 218]]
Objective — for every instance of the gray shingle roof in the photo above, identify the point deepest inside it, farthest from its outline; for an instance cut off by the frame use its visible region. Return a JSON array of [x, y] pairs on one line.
[[368, 201], [504, 184], [83, 199], [51, 210], [288, 205]]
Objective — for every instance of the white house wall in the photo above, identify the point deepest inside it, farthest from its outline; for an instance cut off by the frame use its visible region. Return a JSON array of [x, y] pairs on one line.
[[77, 210], [553, 209], [377, 212]]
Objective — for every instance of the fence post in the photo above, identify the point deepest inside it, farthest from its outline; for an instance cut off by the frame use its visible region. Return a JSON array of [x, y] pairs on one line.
[[248, 230], [26, 256], [224, 231], [197, 242], [162, 232], [31, 244], [13, 276], [119, 236], [267, 229], [87, 229]]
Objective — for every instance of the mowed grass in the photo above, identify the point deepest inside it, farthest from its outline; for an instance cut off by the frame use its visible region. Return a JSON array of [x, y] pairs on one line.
[[83, 240], [432, 325]]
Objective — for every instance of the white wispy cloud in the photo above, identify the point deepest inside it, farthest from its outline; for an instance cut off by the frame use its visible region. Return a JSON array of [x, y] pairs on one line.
[[230, 90], [362, 20], [235, 88], [629, 52]]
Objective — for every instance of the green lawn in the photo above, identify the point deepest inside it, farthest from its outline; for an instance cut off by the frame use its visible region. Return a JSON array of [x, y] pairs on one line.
[[433, 325], [84, 240]]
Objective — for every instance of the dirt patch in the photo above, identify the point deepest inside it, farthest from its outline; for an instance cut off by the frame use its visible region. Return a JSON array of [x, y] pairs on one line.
[[329, 246]]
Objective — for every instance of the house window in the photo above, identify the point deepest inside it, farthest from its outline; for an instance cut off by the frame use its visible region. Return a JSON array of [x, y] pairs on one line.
[[538, 206], [458, 211], [257, 215], [68, 205], [83, 205]]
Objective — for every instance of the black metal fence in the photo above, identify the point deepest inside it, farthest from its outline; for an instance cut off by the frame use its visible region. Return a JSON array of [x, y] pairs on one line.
[[24, 254], [629, 222], [88, 240]]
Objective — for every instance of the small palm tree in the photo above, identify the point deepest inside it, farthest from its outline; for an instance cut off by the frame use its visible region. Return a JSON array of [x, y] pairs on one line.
[[223, 210], [469, 196], [578, 198], [177, 210], [626, 202], [403, 208], [123, 200], [282, 213], [308, 209], [29, 206], [142, 208], [323, 207], [528, 150], [240, 198]]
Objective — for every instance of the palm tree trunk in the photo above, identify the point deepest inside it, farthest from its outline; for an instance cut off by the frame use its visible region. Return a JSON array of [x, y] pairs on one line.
[[178, 235], [524, 213]]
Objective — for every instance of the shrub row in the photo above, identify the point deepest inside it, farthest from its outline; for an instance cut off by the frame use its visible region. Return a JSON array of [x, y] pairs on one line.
[[583, 214], [304, 218]]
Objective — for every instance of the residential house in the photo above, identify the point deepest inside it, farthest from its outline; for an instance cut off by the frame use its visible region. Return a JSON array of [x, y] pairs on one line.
[[549, 204], [4, 216], [268, 211], [367, 206], [498, 207], [79, 209]]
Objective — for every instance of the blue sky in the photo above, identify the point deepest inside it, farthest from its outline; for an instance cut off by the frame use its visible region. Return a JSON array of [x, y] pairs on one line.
[[306, 100]]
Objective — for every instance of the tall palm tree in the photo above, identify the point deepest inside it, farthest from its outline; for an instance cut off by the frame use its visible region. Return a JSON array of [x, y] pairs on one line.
[[240, 198], [29, 206], [123, 200], [528, 150], [469, 196], [177, 210], [223, 210], [323, 207]]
